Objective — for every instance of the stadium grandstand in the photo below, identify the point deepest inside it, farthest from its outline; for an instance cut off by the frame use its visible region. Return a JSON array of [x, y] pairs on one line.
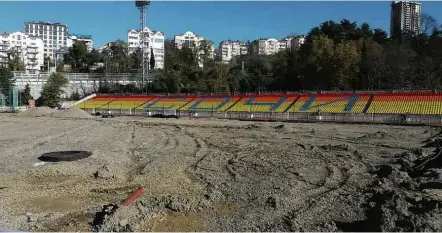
[[427, 103]]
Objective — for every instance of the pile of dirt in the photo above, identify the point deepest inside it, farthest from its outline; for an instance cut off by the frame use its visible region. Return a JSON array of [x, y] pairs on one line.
[[405, 197], [37, 112], [72, 113], [117, 218]]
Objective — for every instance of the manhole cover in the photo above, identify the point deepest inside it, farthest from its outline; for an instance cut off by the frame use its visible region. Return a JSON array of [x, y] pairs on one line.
[[64, 156]]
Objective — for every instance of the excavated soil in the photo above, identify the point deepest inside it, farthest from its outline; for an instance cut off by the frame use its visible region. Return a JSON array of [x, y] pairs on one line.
[[72, 113], [216, 175], [37, 112]]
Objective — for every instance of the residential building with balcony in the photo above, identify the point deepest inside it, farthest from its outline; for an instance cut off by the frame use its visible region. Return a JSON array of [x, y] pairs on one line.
[[4, 49], [285, 44], [154, 42], [54, 36], [194, 42], [34, 54], [29, 49], [265, 46], [296, 42], [230, 49], [405, 17]]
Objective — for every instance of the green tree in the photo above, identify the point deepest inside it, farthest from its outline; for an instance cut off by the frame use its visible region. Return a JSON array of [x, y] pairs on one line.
[[7, 81], [53, 89], [75, 95], [380, 36], [47, 62], [346, 60], [366, 31], [152, 59], [205, 51], [134, 61], [79, 57], [26, 95], [318, 67], [60, 66], [118, 62], [15, 63]]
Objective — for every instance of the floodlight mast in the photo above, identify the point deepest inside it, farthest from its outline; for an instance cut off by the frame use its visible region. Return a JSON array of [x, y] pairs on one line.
[[144, 42]]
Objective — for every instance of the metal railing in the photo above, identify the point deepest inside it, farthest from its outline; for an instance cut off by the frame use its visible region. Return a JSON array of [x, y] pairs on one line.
[[24, 76], [283, 117]]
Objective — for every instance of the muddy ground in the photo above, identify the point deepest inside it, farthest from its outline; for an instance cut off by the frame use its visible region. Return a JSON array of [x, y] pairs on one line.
[[216, 175]]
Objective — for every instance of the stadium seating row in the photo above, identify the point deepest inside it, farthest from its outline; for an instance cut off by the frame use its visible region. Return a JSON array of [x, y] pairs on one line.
[[385, 103]]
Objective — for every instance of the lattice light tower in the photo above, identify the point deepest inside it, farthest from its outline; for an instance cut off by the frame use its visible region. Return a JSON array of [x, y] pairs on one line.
[[144, 66]]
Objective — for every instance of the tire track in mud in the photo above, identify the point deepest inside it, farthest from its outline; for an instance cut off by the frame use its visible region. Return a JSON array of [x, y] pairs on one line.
[[169, 143]]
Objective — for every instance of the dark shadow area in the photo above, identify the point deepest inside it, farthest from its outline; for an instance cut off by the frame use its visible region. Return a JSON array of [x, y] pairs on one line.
[[101, 215], [58, 156]]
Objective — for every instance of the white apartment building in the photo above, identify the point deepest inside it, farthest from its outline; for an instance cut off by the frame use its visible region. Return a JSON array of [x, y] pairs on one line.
[[267, 46], [272, 46], [87, 39], [285, 44], [229, 49], [34, 54], [54, 35], [188, 39], [4, 49], [155, 43], [405, 17], [28, 48], [193, 41], [296, 42]]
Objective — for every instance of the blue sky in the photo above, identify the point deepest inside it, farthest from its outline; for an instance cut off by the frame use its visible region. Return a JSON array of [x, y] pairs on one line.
[[216, 21]]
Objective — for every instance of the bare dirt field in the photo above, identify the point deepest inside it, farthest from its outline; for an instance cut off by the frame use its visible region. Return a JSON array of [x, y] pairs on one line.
[[216, 175]]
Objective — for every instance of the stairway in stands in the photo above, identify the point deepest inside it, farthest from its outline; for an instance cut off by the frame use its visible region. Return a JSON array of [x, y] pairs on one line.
[[368, 103]]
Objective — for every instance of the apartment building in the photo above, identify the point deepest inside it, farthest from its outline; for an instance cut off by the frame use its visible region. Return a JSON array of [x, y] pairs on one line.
[[54, 35], [405, 17], [29, 49], [193, 41], [188, 40], [4, 49], [87, 39], [296, 42], [285, 44], [154, 42], [229, 49], [265, 46], [34, 54]]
